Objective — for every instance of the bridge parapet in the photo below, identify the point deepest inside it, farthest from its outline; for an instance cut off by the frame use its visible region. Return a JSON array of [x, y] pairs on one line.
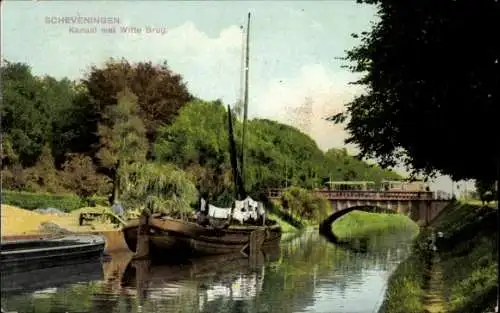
[[366, 195]]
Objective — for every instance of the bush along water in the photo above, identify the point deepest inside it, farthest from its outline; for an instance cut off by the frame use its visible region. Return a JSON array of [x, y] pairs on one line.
[[298, 209], [463, 257]]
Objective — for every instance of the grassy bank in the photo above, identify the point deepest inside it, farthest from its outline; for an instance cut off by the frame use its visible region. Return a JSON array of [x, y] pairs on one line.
[[285, 227], [405, 288], [358, 224], [467, 257]]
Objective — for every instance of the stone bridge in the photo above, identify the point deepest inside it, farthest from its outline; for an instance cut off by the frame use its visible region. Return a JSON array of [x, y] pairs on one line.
[[421, 206]]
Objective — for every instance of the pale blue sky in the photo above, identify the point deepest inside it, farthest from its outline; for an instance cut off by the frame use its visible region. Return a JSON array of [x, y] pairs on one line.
[[294, 46]]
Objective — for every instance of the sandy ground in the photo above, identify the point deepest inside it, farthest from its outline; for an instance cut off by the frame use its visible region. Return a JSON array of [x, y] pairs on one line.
[[17, 221]]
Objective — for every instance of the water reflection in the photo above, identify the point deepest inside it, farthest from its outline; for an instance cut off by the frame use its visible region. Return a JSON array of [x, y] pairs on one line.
[[307, 274]]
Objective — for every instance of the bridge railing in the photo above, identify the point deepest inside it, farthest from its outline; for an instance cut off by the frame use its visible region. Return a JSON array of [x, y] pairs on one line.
[[365, 195]]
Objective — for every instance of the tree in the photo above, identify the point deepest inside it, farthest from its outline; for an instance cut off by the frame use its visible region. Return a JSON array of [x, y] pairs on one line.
[[485, 190], [39, 111], [197, 142], [23, 116], [80, 175], [122, 138], [432, 73], [341, 166], [43, 176], [9, 156], [160, 187], [160, 92], [301, 203]]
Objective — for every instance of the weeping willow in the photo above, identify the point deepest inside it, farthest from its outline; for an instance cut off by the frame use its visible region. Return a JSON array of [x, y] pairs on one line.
[[160, 188]]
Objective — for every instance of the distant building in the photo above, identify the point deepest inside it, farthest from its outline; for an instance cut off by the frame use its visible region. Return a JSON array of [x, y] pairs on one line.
[[404, 186], [350, 185]]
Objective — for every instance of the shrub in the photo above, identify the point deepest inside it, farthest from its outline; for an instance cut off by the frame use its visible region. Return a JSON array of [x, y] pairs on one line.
[[79, 175], [302, 203], [33, 201]]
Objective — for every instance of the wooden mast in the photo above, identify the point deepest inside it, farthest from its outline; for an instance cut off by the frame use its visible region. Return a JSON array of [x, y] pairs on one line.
[[245, 102]]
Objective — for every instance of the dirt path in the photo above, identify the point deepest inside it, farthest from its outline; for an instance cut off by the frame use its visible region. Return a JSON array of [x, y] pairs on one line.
[[434, 299]]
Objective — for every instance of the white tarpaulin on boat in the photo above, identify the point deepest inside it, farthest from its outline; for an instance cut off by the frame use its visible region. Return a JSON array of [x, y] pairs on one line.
[[248, 209], [260, 209], [242, 212], [252, 204], [217, 212]]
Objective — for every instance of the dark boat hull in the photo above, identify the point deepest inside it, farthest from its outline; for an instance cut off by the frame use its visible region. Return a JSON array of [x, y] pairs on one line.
[[65, 273], [169, 238], [25, 255]]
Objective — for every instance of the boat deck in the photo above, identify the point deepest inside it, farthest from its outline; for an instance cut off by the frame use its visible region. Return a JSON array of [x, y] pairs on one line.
[[21, 255], [32, 245]]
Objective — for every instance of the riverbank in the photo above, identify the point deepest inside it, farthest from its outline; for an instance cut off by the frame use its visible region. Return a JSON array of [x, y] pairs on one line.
[[360, 225], [18, 223], [465, 264]]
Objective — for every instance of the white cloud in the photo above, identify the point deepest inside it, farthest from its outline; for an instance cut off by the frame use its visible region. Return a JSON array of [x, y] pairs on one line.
[[210, 65], [328, 93]]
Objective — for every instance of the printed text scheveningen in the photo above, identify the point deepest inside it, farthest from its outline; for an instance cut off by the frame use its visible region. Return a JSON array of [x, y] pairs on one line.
[[82, 20]]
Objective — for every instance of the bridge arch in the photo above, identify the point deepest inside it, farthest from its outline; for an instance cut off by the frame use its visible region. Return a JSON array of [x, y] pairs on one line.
[[325, 227], [420, 206]]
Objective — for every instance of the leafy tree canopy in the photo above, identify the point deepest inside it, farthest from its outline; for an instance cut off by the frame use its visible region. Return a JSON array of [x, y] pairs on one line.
[[160, 92], [159, 187], [40, 111], [431, 71], [47, 147], [277, 154]]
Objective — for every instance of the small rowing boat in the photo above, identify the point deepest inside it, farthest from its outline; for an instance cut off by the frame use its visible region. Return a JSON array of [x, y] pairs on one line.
[[51, 251]]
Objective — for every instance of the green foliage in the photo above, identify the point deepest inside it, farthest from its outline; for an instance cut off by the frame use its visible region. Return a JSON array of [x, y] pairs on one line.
[[43, 176], [404, 292], [358, 224], [486, 190], [276, 155], [279, 154], [125, 108], [469, 257], [41, 111], [302, 203], [157, 187], [341, 166], [26, 117], [80, 175], [33, 201], [285, 226], [429, 86], [160, 92], [123, 136], [198, 142], [42, 121]]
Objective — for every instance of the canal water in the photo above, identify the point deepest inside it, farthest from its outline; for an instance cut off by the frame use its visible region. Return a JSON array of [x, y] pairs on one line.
[[306, 274]]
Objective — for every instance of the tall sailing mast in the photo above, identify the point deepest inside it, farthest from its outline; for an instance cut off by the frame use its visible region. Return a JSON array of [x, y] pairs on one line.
[[239, 102], [245, 102]]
